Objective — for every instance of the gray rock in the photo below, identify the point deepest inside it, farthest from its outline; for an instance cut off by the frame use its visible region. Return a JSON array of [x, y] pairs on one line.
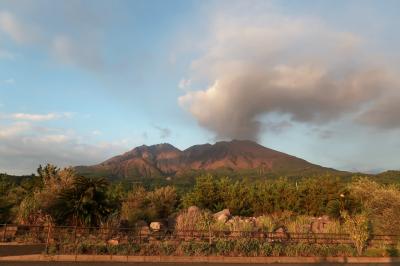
[[223, 218], [155, 226], [113, 242], [224, 212]]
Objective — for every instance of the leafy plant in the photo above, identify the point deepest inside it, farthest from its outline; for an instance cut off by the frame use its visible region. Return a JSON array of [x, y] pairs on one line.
[[358, 228]]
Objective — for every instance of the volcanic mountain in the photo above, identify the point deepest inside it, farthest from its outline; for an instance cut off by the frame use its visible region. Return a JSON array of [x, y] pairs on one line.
[[236, 156]]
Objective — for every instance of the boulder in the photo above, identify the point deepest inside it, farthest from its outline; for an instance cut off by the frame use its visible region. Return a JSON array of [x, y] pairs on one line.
[[155, 226], [223, 215], [113, 242], [223, 218]]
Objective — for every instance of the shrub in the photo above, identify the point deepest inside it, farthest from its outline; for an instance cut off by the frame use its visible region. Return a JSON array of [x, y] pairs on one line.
[[162, 201], [266, 249], [224, 246], [194, 220], [298, 249], [134, 248], [334, 227], [358, 228], [299, 224], [277, 249], [168, 248], [150, 249], [265, 223], [247, 247], [193, 248], [381, 204]]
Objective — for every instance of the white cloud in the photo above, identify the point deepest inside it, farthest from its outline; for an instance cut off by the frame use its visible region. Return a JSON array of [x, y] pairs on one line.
[[14, 129], [35, 117], [4, 54], [258, 62], [67, 51], [96, 132], [164, 132], [18, 31], [80, 47], [184, 84], [23, 146], [9, 81]]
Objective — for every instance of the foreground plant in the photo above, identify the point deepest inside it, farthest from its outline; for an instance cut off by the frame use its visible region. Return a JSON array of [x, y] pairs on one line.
[[358, 228]]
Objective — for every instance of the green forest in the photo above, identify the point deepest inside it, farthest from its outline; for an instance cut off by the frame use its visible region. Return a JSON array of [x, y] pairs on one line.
[[360, 206], [63, 197]]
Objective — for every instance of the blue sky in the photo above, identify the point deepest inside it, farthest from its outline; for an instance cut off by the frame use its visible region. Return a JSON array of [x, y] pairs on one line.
[[81, 81]]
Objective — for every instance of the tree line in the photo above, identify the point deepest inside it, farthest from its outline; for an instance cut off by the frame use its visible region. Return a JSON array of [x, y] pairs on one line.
[[62, 197]]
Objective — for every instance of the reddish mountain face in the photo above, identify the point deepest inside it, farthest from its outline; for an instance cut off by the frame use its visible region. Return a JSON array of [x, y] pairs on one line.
[[166, 160]]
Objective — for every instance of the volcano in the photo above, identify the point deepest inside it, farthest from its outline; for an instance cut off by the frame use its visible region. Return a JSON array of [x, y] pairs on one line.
[[236, 156]]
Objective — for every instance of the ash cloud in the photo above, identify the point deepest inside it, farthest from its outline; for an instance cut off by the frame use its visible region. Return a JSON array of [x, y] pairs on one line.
[[289, 67]]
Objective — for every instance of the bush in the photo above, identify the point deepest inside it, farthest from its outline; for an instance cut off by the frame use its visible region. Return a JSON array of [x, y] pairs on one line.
[[299, 249], [265, 223], [381, 204], [194, 220], [224, 246], [299, 224], [277, 249], [266, 249], [193, 248], [359, 230], [168, 248], [247, 247]]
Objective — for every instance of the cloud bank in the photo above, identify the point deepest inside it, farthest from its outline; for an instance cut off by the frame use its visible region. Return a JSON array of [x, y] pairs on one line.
[[298, 68], [25, 144], [80, 47]]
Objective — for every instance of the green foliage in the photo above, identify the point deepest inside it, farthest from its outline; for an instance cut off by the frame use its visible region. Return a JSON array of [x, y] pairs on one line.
[[247, 246], [312, 196], [299, 224], [205, 194], [266, 249], [167, 248], [381, 203], [196, 220], [85, 203], [149, 205], [266, 223], [224, 246], [196, 248], [358, 228]]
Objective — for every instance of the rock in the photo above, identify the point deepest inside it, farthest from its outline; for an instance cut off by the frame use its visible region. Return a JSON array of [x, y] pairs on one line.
[[113, 242], [223, 218], [155, 226], [223, 215], [193, 209]]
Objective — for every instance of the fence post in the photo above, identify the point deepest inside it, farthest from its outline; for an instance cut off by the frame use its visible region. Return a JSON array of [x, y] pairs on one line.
[[4, 233], [76, 247], [47, 239]]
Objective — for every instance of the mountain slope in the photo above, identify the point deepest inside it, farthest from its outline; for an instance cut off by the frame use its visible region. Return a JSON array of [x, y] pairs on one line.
[[235, 156]]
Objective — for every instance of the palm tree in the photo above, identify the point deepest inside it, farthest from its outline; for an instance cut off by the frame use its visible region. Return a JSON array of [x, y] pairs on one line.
[[85, 203]]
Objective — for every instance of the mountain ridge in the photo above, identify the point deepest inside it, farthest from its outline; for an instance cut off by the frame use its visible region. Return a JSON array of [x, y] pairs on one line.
[[165, 160]]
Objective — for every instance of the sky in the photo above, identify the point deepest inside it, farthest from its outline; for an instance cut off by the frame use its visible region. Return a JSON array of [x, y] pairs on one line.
[[81, 81]]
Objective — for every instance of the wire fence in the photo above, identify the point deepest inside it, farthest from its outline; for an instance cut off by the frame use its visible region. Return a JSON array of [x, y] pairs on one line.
[[106, 240]]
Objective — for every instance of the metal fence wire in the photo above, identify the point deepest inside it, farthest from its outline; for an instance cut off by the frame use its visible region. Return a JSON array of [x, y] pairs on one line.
[[70, 239]]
